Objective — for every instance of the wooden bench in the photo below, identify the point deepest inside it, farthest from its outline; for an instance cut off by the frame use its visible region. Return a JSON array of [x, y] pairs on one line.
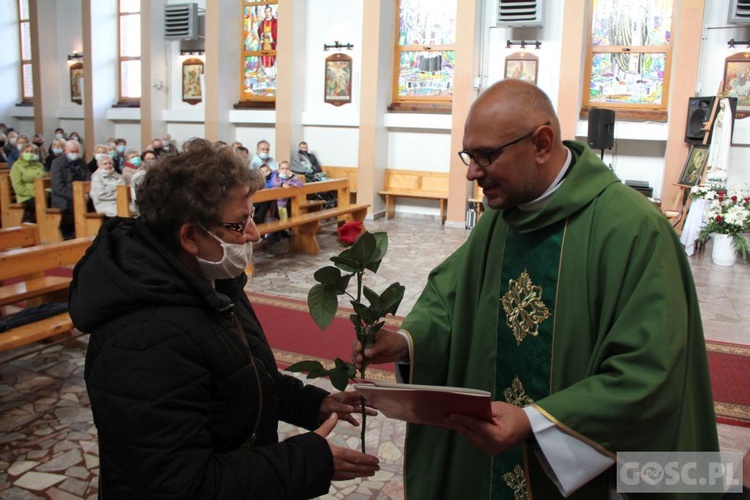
[[34, 288], [305, 223], [415, 184], [30, 264], [478, 199], [10, 211], [124, 198], [47, 218], [86, 223], [349, 173]]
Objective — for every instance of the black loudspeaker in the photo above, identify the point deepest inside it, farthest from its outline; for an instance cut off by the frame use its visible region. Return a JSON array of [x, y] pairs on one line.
[[601, 128], [699, 111]]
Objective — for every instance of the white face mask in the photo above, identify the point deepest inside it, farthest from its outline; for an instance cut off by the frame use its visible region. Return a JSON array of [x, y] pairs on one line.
[[234, 261]]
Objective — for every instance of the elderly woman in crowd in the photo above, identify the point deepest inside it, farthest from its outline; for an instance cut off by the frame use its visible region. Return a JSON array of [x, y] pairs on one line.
[[27, 168], [56, 150], [104, 184], [132, 161], [184, 388]]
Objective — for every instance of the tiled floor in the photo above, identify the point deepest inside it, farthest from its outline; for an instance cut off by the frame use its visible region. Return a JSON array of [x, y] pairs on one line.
[[48, 441]]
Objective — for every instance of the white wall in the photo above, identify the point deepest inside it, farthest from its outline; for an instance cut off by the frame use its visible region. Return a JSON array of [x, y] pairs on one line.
[[10, 71], [716, 33]]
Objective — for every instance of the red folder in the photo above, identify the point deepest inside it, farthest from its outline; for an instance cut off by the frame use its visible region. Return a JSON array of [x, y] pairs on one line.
[[424, 404]]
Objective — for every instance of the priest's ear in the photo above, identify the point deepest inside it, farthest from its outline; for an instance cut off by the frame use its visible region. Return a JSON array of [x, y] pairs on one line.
[[544, 140]]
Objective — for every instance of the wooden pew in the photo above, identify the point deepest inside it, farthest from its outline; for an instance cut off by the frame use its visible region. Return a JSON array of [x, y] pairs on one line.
[[87, 223], [10, 211], [305, 224], [30, 264], [477, 198], [415, 184], [349, 173], [124, 197], [47, 218]]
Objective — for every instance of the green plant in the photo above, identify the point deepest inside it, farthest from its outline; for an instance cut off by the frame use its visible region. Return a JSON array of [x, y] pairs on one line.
[[364, 252]]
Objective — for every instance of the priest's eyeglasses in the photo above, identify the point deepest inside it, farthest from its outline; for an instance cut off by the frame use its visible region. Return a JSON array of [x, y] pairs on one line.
[[485, 158], [241, 226]]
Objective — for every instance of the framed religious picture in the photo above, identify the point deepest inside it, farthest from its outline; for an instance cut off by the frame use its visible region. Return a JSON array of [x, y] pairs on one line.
[[737, 81], [76, 82], [338, 80], [694, 165], [522, 66], [192, 70]]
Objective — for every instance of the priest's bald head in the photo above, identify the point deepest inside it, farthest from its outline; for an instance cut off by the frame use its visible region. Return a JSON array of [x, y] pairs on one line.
[[512, 143]]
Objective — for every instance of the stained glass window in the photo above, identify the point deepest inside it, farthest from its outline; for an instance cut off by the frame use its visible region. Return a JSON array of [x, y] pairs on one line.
[[630, 54], [259, 37], [425, 59]]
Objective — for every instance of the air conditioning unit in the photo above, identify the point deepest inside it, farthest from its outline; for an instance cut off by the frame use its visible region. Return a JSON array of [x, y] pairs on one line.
[[519, 13], [739, 12], [181, 21]]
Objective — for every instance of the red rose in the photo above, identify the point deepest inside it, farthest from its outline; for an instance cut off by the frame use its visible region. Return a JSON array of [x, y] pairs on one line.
[[734, 199], [719, 218], [349, 232]]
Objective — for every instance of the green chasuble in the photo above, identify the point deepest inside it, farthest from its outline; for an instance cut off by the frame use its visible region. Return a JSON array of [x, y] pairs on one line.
[[626, 364]]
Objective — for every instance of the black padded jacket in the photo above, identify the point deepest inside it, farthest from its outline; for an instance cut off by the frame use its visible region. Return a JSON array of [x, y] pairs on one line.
[[185, 391]]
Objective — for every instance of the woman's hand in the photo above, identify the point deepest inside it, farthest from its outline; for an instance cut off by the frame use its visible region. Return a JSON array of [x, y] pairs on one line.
[[347, 464], [343, 404]]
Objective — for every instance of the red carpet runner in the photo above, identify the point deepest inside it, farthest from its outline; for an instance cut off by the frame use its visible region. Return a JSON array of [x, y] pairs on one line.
[[729, 365], [294, 335]]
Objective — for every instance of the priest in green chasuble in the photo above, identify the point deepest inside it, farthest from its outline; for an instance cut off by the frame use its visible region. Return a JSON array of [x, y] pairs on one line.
[[572, 302]]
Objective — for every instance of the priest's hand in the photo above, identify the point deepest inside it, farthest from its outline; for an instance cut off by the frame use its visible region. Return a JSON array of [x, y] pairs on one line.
[[347, 464], [510, 426], [343, 404], [388, 347]]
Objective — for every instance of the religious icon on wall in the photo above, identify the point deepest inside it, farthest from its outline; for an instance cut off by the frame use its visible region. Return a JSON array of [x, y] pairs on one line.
[[259, 40], [76, 82], [522, 66], [737, 81], [338, 79], [192, 70]]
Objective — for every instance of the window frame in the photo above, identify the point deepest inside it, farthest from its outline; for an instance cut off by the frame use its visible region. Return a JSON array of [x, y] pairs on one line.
[[247, 99], [632, 111], [26, 100], [125, 101], [434, 104]]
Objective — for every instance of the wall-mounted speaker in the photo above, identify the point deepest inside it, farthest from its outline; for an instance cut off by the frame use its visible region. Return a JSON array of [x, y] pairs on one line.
[[699, 111], [601, 128]]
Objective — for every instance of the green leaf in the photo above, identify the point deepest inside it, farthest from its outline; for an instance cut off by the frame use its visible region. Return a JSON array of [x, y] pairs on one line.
[[340, 377], [346, 263], [364, 312], [306, 366], [370, 333], [381, 244], [364, 249], [343, 283], [328, 275], [355, 320], [391, 298], [373, 297], [322, 304]]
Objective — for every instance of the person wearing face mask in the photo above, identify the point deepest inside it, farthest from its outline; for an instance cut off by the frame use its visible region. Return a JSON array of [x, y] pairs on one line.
[[104, 184], [21, 142], [157, 146], [184, 388], [263, 155], [10, 144], [121, 145], [56, 149], [130, 165], [67, 168], [100, 151], [59, 134], [169, 145], [27, 168]]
